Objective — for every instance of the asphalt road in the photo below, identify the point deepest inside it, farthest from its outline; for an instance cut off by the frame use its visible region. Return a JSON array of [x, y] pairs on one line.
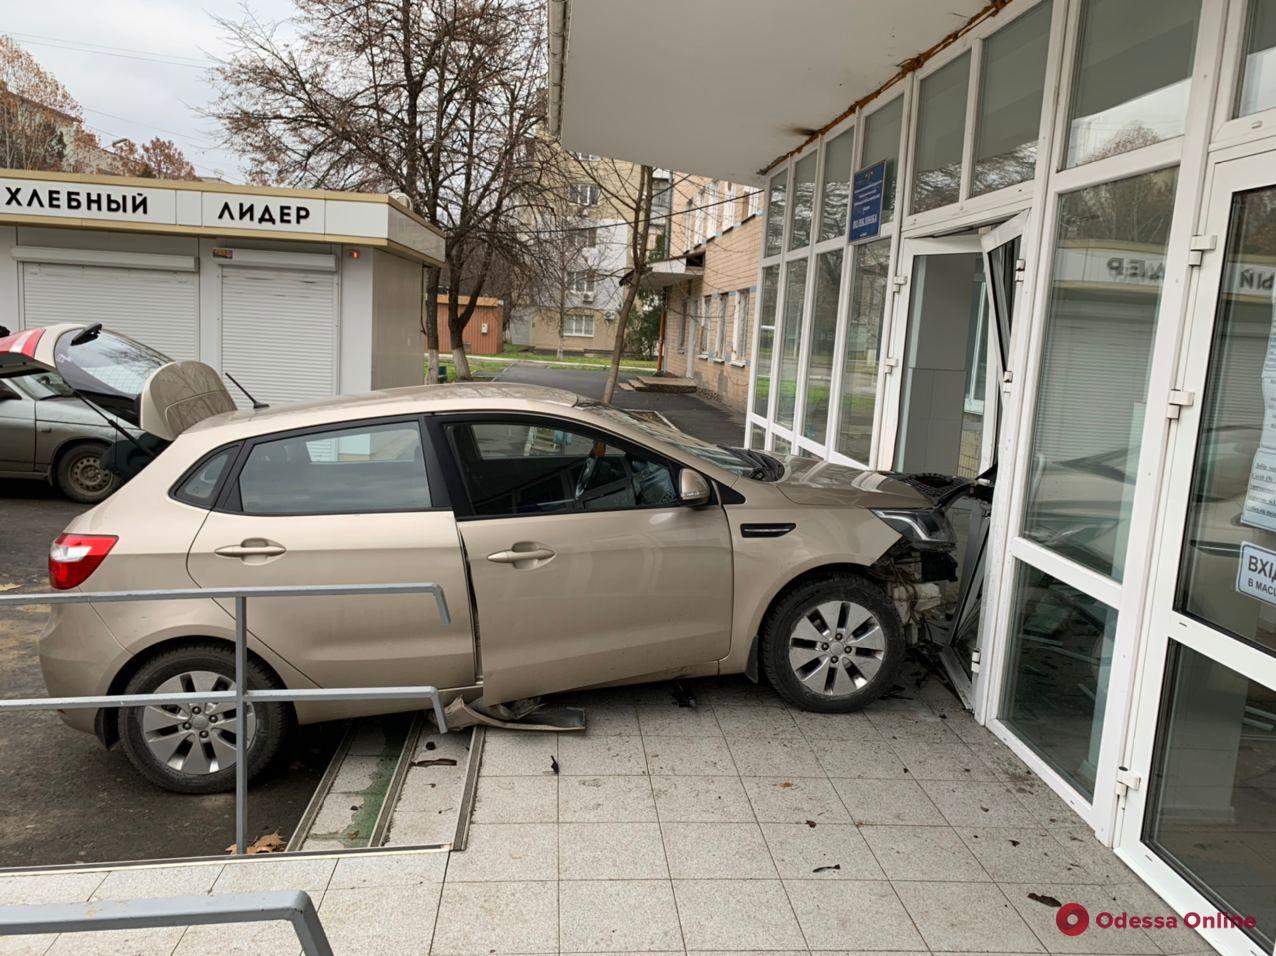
[[63, 798], [693, 414]]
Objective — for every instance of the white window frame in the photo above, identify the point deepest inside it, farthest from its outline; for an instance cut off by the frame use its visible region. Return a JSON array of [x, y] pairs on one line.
[[572, 322], [583, 281], [583, 194]]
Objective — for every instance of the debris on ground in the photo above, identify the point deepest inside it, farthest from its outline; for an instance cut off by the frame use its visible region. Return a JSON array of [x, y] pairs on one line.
[[267, 843], [811, 824], [435, 762], [528, 714], [825, 869], [682, 695], [553, 763], [1044, 900]]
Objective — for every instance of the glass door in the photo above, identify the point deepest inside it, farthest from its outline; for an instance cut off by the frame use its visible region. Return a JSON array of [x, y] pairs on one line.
[[1199, 818]]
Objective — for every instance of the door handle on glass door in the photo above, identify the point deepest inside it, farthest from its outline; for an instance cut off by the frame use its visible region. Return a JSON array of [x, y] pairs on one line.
[[251, 550], [517, 557]]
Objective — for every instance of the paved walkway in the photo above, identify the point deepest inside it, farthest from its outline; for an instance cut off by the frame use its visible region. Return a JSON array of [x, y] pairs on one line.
[[736, 825]]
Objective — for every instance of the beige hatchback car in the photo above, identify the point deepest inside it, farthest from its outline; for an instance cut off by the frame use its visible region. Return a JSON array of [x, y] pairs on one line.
[[578, 545]]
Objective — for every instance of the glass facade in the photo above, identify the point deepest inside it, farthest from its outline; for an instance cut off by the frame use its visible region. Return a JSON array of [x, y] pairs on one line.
[[1011, 86], [775, 203], [790, 337], [803, 204], [836, 193], [766, 339], [1057, 674], [1132, 75], [1258, 71], [941, 126], [866, 311], [882, 130], [819, 365], [1108, 272], [1210, 812]]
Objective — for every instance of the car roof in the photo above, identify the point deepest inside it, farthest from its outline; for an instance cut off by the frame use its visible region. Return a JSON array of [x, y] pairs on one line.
[[413, 399]]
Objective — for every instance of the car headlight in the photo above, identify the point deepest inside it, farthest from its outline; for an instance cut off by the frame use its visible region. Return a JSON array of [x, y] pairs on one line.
[[923, 528]]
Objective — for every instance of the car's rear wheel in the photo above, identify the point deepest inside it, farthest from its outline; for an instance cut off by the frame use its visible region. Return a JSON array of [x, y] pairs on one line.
[[833, 644], [81, 477], [190, 748]]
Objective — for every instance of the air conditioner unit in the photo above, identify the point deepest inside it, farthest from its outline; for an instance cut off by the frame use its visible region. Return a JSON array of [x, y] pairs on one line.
[[587, 296]]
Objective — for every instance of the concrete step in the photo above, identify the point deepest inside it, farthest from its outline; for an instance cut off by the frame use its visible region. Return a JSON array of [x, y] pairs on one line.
[[662, 383]]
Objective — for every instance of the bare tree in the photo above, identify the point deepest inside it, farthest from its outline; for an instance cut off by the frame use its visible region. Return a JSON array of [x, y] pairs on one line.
[[429, 98], [158, 159], [41, 124]]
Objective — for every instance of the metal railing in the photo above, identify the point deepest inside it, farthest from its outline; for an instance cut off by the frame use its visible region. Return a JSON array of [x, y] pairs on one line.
[[294, 906], [241, 695]]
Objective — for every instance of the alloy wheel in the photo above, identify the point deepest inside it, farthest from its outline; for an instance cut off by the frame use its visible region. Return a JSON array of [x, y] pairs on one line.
[[836, 647], [195, 738]]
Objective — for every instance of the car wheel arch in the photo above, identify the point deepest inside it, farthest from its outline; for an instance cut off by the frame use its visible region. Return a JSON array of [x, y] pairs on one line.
[[69, 445], [107, 723], [801, 579]]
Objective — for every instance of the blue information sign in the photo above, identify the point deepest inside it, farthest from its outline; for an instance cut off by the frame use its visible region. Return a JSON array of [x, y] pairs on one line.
[[867, 189]]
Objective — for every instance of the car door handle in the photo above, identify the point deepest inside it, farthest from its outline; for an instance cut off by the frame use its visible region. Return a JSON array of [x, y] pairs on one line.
[[250, 550], [514, 557]]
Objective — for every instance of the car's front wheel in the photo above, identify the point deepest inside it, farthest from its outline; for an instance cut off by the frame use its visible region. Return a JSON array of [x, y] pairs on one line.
[[190, 748], [81, 477], [833, 644]]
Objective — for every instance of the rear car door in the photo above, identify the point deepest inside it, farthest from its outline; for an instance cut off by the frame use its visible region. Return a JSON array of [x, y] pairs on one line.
[[352, 503], [17, 430], [586, 569]]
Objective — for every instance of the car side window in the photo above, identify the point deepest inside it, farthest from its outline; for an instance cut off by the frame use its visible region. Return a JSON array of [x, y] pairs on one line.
[[520, 467], [371, 468], [199, 488]]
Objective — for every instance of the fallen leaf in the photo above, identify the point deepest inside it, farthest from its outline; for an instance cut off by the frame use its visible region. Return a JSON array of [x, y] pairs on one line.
[[553, 763], [9, 587], [811, 824], [825, 869], [1044, 900], [435, 762], [1014, 842], [268, 843], [786, 785]]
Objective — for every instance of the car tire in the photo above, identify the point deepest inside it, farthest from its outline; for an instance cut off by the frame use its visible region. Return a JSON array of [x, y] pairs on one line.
[[833, 644], [80, 476], [179, 749]]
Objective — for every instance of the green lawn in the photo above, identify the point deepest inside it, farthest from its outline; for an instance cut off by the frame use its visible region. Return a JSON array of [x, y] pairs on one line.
[[593, 361]]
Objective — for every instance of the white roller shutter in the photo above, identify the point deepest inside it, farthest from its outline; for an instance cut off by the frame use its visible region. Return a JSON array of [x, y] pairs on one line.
[[158, 308], [279, 333]]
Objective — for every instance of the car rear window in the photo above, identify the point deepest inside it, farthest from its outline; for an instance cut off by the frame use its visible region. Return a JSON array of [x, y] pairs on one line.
[[372, 468], [200, 486]]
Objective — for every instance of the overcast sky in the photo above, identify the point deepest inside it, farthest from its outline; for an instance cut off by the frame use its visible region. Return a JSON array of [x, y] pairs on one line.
[[138, 67]]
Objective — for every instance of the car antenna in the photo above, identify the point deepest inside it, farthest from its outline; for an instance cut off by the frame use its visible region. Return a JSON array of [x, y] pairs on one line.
[[256, 404]]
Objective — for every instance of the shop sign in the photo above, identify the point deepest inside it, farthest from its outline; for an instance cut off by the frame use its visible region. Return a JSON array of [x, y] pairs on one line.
[[72, 200], [867, 189], [257, 211]]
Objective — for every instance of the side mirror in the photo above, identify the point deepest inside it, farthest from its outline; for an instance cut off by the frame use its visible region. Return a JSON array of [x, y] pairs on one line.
[[693, 489]]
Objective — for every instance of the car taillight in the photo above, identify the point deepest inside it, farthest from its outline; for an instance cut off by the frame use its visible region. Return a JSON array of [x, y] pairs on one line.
[[74, 557]]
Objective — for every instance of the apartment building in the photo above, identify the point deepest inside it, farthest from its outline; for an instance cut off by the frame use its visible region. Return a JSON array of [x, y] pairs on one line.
[[714, 232]]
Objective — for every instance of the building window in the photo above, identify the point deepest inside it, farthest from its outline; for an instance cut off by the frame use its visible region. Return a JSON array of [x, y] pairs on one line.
[[882, 131], [583, 194], [706, 320], [766, 340], [1132, 75], [803, 205], [588, 237], [1109, 266], [941, 130], [823, 332], [1012, 84], [775, 203], [720, 340], [1258, 81], [582, 283], [743, 317], [713, 209], [728, 208], [835, 194], [753, 204], [866, 312], [579, 325], [585, 157]]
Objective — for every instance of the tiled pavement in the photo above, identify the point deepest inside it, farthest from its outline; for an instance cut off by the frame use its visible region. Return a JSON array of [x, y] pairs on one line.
[[735, 826]]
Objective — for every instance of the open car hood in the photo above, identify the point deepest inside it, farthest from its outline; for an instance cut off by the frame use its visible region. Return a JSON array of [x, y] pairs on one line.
[[138, 384]]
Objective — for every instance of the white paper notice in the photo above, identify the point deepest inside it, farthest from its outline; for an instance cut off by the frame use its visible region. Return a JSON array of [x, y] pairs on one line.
[[1260, 496]]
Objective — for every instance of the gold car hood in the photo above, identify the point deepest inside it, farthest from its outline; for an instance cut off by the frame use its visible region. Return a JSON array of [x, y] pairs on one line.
[[823, 483]]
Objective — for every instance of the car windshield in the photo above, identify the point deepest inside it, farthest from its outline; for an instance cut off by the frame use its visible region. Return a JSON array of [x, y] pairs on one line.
[[750, 464]]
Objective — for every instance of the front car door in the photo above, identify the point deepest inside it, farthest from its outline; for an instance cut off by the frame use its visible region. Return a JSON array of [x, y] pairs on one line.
[[17, 430], [586, 569], [352, 503]]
